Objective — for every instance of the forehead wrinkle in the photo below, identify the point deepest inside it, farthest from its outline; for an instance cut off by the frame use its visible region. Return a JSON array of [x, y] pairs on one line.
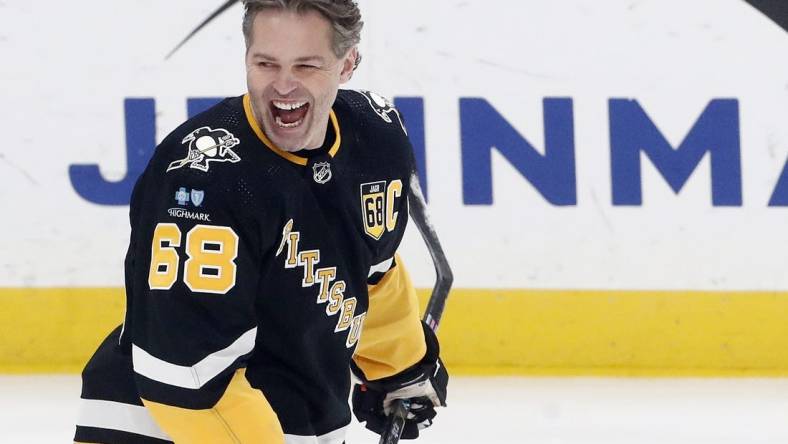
[[315, 58]]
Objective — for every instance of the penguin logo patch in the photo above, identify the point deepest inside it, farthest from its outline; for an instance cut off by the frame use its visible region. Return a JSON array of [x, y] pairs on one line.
[[207, 145], [321, 172]]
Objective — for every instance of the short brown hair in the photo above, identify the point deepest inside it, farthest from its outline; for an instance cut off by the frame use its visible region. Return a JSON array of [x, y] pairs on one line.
[[344, 16]]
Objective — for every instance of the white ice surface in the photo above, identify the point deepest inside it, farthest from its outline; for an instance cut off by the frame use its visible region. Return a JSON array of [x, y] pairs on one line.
[[41, 409]]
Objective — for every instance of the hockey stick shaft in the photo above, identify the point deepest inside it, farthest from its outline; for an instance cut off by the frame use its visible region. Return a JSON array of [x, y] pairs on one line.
[[436, 304], [226, 5], [443, 274]]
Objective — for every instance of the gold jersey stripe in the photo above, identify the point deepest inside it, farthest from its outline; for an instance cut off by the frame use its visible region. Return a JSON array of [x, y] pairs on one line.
[[242, 415]]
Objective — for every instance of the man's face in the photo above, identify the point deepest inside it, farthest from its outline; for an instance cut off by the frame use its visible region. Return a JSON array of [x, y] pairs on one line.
[[293, 76]]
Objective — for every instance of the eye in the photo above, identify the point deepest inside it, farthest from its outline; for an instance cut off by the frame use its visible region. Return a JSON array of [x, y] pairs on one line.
[[306, 67], [262, 64]]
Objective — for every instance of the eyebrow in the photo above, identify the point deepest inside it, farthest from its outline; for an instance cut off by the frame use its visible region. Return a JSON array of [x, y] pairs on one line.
[[313, 58]]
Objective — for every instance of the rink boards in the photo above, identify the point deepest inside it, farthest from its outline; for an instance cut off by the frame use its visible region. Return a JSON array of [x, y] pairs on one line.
[[608, 179]]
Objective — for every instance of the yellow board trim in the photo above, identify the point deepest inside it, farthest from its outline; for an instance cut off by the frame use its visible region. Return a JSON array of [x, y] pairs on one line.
[[287, 155], [55, 330], [484, 332]]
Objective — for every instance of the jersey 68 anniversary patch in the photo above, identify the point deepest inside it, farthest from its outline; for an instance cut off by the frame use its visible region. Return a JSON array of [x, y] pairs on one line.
[[377, 206]]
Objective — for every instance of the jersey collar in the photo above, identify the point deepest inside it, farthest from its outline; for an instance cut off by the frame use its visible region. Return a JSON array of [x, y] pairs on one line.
[[287, 155]]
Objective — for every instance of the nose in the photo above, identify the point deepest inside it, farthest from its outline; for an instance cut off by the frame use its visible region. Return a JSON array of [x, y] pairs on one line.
[[285, 82]]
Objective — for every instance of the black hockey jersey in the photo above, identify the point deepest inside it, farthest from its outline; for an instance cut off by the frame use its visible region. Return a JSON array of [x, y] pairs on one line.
[[254, 276]]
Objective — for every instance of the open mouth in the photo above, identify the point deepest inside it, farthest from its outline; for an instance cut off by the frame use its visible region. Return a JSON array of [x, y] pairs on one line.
[[289, 114]]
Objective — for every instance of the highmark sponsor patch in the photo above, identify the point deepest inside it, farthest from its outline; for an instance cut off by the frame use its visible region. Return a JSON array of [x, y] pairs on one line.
[[186, 214]]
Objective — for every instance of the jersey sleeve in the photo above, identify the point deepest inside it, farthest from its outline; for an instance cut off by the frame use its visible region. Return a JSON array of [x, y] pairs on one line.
[[392, 338], [193, 277]]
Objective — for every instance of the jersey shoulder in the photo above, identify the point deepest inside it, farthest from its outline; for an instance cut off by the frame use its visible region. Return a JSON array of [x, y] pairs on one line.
[[370, 111], [204, 140], [377, 125], [210, 164]]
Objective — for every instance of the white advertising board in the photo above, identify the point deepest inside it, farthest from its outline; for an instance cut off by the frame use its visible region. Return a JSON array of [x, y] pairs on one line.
[[573, 144]]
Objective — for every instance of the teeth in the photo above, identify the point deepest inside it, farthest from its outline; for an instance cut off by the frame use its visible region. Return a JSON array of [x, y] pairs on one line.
[[288, 105], [288, 125]]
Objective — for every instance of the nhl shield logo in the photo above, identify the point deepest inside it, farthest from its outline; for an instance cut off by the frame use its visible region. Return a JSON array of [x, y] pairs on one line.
[[321, 172], [373, 203], [197, 197]]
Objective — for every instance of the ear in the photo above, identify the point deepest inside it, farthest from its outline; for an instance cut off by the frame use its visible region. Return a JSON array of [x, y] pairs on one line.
[[348, 65]]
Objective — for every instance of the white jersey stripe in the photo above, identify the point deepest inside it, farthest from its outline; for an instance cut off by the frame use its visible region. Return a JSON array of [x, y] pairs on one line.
[[130, 418], [381, 267], [118, 416], [335, 437], [197, 375]]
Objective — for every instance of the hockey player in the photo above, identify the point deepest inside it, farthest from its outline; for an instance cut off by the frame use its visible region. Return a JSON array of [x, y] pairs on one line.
[[262, 265]]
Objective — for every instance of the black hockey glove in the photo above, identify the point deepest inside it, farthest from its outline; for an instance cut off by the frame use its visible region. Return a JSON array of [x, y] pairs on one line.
[[424, 384]]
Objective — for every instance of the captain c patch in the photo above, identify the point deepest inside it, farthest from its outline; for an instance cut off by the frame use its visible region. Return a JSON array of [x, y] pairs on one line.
[[378, 204]]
